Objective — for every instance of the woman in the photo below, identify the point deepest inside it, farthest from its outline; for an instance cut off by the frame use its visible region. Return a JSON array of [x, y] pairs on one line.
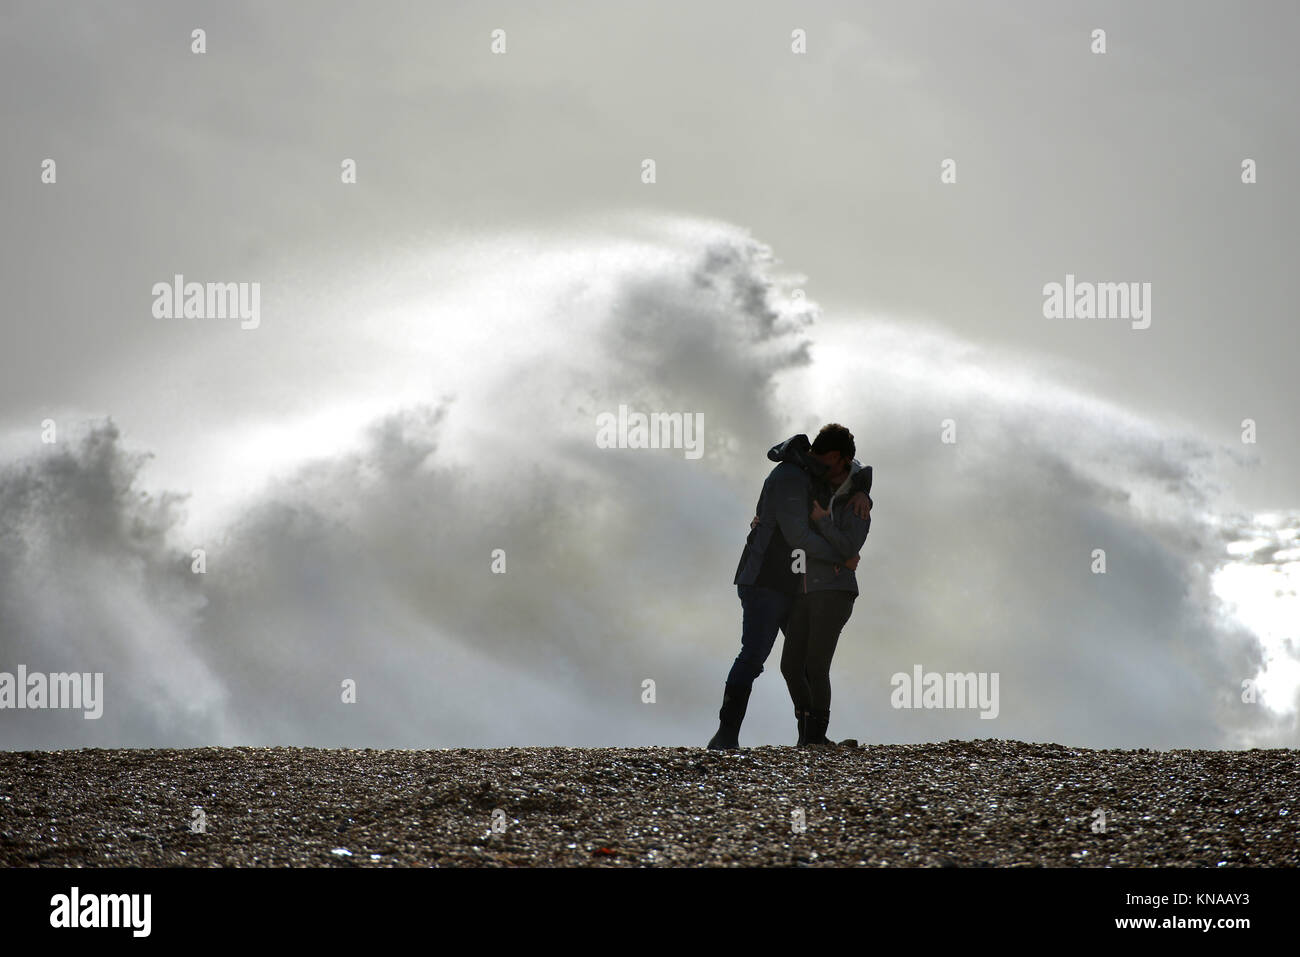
[[825, 602]]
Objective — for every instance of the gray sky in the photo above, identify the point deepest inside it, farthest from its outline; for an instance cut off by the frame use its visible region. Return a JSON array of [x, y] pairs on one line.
[[499, 274]]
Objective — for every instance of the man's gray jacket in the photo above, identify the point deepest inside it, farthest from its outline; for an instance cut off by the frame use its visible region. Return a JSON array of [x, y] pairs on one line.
[[845, 531]]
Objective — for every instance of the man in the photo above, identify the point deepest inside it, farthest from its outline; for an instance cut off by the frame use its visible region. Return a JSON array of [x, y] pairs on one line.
[[824, 605], [781, 540]]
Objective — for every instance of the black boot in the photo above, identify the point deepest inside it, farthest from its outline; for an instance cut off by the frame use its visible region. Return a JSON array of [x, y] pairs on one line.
[[802, 718], [735, 698], [815, 728]]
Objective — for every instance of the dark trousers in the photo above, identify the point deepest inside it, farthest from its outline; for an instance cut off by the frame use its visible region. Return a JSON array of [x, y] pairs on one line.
[[764, 613], [811, 634]]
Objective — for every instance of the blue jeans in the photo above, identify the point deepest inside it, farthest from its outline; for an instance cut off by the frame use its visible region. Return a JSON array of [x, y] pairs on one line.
[[764, 613]]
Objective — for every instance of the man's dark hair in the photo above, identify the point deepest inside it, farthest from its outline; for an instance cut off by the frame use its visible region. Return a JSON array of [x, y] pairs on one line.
[[834, 438]]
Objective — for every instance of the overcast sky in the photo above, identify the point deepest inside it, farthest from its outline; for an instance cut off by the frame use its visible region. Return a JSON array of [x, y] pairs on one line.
[[436, 340]]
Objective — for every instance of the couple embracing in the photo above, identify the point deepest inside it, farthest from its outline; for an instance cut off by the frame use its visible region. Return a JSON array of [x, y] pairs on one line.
[[796, 576]]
